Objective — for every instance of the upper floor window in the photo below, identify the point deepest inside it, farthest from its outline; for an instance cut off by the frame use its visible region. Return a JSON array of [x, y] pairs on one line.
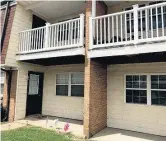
[[70, 84]]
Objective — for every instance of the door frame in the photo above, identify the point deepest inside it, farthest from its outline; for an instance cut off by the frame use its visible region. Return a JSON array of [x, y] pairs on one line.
[[42, 86]]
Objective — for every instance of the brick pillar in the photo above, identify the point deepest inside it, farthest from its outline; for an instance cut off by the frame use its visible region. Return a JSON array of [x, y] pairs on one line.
[[4, 103], [95, 91], [13, 96]]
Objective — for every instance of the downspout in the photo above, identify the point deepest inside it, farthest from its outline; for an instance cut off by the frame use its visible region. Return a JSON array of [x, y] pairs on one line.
[[8, 90], [5, 25]]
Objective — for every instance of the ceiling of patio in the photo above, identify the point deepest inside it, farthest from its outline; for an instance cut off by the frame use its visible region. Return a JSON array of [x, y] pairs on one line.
[[49, 10]]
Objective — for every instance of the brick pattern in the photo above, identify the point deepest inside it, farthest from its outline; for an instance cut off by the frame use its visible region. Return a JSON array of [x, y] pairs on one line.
[[13, 96], [5, 90], [95, 91], [8, 30]]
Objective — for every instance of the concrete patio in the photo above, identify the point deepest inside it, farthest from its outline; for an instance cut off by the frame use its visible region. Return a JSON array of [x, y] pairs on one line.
[[112, 134]]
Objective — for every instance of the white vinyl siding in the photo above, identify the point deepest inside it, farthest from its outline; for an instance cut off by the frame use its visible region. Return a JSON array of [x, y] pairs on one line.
[[136, 117]]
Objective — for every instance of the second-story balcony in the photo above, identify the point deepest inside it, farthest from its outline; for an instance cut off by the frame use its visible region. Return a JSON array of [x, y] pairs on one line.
[[53, 40], [140, 29]]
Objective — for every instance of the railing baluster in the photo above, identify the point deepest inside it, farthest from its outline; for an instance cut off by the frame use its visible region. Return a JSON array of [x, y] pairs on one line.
[[109, 30], [65, 34], [57, 33], [97, 31], [60, 41], [151, 23], [104, 31], [78, 32], [121, 28], [117, 29], [141, 24], [75, 25], [162, 19], [113, 29], [100, 31], [125, 28], [71, 33], [157, 22], [130, 25], [146, 22]]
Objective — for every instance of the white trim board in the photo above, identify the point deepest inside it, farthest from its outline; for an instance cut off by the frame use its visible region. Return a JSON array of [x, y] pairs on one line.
[[53, 53], [128, 50]]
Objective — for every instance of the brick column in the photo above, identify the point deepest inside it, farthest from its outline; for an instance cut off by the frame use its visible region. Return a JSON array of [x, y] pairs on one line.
[[95, 91], [4, 103], [12, 94]]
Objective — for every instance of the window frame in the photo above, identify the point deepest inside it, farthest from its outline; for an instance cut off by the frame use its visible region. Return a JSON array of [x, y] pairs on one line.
[[149, 89], [69, 83]]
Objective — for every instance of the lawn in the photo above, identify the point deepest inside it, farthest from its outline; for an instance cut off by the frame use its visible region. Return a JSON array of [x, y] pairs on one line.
[[30, 133]]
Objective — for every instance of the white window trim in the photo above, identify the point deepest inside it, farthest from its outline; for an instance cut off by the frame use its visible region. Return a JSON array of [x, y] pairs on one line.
[[149, 102], [69, 83]]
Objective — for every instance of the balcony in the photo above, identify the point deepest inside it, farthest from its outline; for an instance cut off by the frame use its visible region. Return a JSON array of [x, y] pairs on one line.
[[135, 31], [53, 40]]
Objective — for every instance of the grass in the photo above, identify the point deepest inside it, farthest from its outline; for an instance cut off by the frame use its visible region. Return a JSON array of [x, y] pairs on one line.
[[30, 133]]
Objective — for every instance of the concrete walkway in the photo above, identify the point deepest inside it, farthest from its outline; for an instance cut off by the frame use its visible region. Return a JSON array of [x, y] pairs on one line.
[[112, 134], [12, 125]]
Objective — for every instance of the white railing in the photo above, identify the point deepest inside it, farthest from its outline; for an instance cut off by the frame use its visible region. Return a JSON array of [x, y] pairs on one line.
[[56, 36], [138, 25]]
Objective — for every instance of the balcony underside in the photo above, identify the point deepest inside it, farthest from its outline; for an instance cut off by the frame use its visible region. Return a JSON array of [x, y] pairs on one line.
[[77, 59], [128, 59], [127, 50]]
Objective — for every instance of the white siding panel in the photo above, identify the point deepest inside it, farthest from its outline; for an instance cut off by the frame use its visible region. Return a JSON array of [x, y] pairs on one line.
[[61, 106], [136, 117]]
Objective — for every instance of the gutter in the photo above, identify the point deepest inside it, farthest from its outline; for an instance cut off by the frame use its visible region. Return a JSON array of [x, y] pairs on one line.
[[5, 25], [8, 90]]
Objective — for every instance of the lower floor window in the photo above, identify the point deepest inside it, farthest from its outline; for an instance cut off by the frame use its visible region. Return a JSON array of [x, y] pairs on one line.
[[136, 89], [70, 84], [143, 89], [158, 89]]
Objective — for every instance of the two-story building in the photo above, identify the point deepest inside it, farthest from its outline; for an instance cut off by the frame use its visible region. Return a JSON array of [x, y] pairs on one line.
[[102, 62]]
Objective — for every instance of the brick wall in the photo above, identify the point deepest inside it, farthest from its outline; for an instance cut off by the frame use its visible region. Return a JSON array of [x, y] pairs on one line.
[[12, 94], [8, 30], [95, 92], [5, 90]]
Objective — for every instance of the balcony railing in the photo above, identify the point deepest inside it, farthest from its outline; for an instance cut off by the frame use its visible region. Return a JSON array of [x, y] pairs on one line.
[[139, 25], [61, 35]]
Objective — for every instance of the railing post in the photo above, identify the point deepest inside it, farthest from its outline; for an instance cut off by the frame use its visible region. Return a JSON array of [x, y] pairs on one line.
[[47, 35], [81, 29], [135, 7], [90, 33]]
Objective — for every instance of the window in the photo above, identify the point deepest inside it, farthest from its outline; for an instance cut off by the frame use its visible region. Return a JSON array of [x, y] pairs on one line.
[[70, 84], [158, 89], [136, 89], [77, 84], [146, 89], [33, 84]]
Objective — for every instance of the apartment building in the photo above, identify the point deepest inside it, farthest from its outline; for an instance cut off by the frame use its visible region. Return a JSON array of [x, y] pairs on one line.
[[102, 62]]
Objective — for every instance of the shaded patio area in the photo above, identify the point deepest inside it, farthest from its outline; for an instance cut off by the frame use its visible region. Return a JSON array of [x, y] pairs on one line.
[[55, 123], [112, 134]]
